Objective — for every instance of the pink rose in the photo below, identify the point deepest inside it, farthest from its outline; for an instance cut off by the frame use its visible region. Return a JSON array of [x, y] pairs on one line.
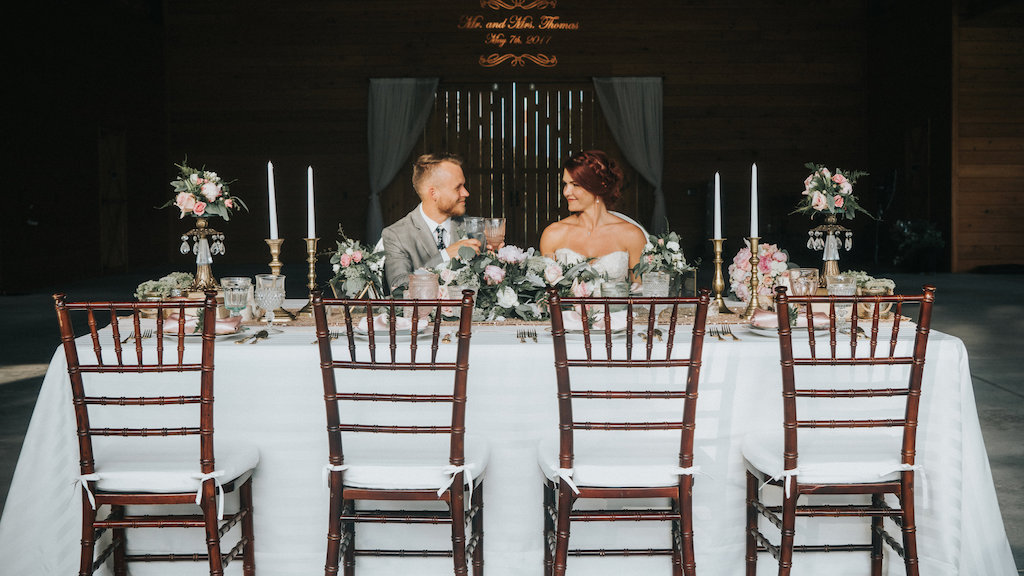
[[210, 191], [650, 258], [818, 201], [838, 201], [764, 266], [357, 256], [185, 202], [345, 260], [780, 256], [446, 275], [493, 274], [511, 254], [199, 208], [661, 241], [807, 183], [839, 179], [229, 203], [553, 274], [580, 289]]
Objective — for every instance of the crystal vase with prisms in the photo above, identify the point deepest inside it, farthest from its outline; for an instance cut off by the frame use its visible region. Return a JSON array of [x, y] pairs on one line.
[[205, 243], [828, 238]]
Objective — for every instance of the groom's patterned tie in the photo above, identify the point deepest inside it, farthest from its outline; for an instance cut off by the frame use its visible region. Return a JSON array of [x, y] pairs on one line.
[[440, 238]]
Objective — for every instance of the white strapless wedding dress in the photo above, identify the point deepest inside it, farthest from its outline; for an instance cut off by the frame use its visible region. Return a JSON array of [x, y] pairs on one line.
[[613, 266]]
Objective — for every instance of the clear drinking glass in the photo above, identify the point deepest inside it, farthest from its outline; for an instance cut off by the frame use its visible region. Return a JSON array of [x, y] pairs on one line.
[[473, 227], [615, 289], [269, 294], [842, 285], [494, 231], [656, 284], [236, 294], [803, 281]]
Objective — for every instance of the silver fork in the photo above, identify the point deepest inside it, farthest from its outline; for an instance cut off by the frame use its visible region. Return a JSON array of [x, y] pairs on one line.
[[532, 333], [147, 334], [728, 331], [521, 334], [716, 332], [128, 337]]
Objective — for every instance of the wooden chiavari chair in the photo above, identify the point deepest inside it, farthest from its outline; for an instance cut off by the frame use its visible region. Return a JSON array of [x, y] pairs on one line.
[[655, 460], [365, 467], [164, 457], [827, 450]]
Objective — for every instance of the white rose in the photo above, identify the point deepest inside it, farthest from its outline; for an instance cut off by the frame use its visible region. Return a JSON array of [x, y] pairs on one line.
[[648, 247], [673, 246], [778, 267], [568, 257], [336, 268], [507, 297], [210, 191]]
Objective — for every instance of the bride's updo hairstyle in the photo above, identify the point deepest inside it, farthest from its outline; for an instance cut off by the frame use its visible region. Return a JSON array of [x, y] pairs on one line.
[[596, 173]]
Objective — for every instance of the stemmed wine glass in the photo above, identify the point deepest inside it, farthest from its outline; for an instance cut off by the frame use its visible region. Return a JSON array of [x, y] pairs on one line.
[[842, 285], [236, 294], [269, 294]]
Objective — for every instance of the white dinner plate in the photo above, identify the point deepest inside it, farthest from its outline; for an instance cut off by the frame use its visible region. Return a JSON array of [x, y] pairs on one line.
[[242, 330], [797, 332]]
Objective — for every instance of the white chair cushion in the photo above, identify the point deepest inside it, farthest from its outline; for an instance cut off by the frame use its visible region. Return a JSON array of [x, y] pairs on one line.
[[844, 456], [138, 467], [408, 462], [610, 459]]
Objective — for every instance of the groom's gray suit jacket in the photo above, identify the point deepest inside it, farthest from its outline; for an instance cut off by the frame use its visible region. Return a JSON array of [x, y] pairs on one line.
[[408, 245]]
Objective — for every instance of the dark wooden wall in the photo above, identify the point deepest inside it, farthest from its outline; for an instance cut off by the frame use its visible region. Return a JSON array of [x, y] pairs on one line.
[[988, 165], [858, 84]]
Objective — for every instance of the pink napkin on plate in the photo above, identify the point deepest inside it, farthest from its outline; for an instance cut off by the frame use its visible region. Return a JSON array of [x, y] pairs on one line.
[[380, 323], [767, 319], [228, 325], [572, 320]]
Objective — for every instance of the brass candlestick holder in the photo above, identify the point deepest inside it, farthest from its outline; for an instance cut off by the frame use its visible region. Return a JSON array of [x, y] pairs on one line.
[[201, 237], [307, 310], [754, 260], [275, 269], [719, 282]]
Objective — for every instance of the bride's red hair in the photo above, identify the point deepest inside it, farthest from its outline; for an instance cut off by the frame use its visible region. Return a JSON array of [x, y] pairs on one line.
[[596, 173]]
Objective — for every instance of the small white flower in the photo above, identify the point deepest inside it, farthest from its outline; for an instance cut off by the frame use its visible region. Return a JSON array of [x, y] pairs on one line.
[[348, 251], [507, 297], [673, 246], [336, 268]]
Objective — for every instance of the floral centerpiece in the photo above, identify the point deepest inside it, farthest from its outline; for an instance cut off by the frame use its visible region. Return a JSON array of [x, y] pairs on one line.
[[826, 192], [662, 254], [175, 283], [358, 269], [202, 194], [772, 264], [867, 282]]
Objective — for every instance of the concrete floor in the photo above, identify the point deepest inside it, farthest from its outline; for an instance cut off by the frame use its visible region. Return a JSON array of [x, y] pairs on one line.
[[985, 310]]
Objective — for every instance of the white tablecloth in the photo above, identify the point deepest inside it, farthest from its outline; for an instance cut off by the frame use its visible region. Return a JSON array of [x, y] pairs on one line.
[[271, 394]]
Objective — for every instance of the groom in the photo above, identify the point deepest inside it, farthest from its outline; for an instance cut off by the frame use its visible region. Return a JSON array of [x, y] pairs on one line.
[[423, 238]]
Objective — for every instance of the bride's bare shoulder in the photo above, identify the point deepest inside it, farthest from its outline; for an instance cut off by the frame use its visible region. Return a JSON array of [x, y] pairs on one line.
[[555, 235]]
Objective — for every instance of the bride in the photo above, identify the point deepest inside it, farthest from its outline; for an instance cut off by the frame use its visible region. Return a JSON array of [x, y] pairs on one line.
[[592, 186]]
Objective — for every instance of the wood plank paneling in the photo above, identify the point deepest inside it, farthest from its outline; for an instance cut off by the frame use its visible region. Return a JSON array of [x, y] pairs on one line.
[[989, 152]]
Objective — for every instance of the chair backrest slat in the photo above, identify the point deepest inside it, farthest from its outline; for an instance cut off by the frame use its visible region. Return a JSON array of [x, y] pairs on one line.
[[618, 352], [839, 345], [426, 321], [122, 367]]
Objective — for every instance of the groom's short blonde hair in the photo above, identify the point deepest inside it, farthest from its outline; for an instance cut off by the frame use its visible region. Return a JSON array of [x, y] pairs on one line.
[[425, 165]]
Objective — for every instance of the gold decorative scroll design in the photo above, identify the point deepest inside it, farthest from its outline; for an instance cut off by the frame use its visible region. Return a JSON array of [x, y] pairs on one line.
[[519, 60], [518, 4]]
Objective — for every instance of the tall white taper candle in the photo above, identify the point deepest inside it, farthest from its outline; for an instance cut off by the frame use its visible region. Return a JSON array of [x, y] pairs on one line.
[[311, 224], [753, 201], [718, 206], [273, 201]]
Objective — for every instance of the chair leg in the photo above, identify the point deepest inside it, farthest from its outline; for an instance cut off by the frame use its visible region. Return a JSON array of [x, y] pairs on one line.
[[208, 504], [686, 524], [788, 530], [876, 536], [478, 530], [334, 524], [88, 538], [909, 526], [565, 501], [549, 526], [120, 544], [677, 556], [349, 538], [751, 525], [457, 495], [249, 549]]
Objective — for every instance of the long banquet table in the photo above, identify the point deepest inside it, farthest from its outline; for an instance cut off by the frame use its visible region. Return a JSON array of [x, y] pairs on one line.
[[270, 394]]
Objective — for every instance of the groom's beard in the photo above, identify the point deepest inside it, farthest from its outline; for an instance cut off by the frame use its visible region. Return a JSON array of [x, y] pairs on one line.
[[456, 208]]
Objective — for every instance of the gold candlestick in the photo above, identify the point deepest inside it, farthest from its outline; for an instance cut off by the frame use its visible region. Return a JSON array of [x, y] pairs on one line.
[[275, 252], [275, 269], [752, 303], [719, 282], [307, 310]]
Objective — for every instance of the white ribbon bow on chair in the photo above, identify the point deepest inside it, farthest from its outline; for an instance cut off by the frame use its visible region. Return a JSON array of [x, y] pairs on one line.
[[328, 468], [452, 471], [566, 475], [215, 476], [788, 475], [920, 472], [83, 481]]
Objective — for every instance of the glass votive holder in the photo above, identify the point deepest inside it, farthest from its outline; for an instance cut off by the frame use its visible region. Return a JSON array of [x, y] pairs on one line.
[[422, 286]]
